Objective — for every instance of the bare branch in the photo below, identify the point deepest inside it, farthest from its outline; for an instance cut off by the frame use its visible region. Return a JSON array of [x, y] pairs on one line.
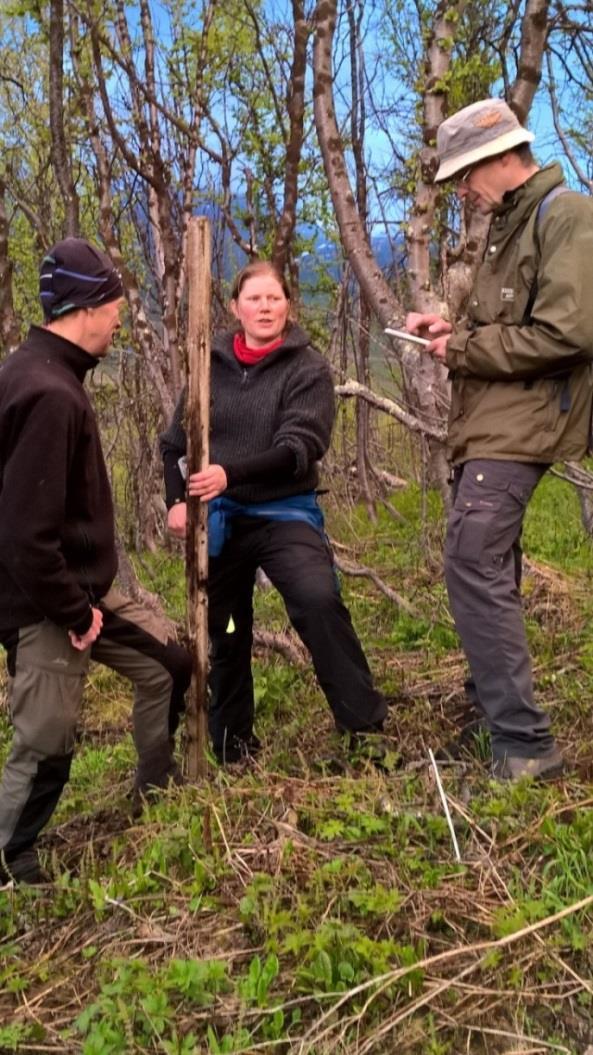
[[286, 644], [569, 152], [361, 571], [354, 389]]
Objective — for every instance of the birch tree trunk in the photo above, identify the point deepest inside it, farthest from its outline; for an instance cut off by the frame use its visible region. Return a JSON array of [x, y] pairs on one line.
[[60, 153], [421, 376], [429, 378], [295, 104], [534, 34], [466, 256]]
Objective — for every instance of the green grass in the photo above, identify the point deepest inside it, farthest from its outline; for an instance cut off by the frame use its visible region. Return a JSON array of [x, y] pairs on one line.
[[553, 529], [313, 903]]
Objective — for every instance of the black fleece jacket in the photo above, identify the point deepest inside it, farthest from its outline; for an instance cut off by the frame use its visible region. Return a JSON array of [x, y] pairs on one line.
[[57, 547], [270, 423]]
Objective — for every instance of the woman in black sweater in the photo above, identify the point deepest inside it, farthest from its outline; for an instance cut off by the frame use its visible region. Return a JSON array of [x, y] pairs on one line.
[[271, 420]]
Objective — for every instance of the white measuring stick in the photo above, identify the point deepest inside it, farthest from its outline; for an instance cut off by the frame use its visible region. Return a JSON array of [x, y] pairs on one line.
[[441, 791], [403, 336]]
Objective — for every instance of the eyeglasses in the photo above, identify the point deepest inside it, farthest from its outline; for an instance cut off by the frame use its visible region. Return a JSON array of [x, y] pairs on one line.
[[465, 175]]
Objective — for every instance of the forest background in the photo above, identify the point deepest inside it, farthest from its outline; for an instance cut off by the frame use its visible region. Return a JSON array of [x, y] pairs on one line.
[[311, 904]]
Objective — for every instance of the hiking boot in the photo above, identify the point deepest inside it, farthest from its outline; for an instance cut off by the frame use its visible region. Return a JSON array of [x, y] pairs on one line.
[[372, 747], [156, 770], [22, 868], [238, 749], [545, 767]]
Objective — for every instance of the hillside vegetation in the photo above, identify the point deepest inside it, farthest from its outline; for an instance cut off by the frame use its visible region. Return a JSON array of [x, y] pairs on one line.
[[311, 903]]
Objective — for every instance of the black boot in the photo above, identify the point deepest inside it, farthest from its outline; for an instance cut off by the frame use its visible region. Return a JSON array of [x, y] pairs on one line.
[[237, 749], [157, 769], [368, 745], [24, 867]]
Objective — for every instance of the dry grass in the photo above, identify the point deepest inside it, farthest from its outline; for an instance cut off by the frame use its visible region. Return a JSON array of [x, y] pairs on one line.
[[490, 957]]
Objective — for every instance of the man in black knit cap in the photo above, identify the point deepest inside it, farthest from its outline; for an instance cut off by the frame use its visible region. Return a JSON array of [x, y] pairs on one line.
[[58, 607]]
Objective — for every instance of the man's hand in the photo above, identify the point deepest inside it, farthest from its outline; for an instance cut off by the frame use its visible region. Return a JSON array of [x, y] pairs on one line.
[[431, 326], [208, 484], [177, 519], [82, 641]]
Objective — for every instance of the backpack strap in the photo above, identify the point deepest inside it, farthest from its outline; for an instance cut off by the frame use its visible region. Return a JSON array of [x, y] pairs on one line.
[[544, 205], [542, 209], [547, 200]]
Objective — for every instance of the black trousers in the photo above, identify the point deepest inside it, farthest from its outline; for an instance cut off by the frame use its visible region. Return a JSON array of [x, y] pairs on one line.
[[298, 562]]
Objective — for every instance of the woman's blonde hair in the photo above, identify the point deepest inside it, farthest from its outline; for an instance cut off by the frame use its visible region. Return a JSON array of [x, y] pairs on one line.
[[254, 270]]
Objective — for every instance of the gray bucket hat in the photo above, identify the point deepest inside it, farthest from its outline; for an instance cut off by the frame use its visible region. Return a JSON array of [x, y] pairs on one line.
[[479, 131]]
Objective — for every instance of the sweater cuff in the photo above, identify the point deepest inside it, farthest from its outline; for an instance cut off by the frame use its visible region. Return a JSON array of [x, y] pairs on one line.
[[174, 483], [80, 628]]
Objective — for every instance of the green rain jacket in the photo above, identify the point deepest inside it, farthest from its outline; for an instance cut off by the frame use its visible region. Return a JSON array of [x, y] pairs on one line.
[[522, 377]]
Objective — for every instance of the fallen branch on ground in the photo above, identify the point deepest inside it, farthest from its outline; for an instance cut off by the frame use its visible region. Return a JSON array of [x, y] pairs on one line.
[[361, 571], [382, 982], [284, 643]]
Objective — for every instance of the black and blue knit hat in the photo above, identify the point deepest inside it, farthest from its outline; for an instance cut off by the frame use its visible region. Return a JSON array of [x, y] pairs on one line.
[[76, 275]]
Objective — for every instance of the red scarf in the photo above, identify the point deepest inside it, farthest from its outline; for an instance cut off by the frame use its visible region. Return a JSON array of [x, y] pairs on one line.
[[249, 356]]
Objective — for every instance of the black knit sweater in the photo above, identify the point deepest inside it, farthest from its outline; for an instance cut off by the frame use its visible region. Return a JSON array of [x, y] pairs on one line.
[[283, 405], [57, 550]]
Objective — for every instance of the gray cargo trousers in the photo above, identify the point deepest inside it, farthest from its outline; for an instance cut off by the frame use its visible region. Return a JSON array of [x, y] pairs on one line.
[[46, 681], [483, 576]]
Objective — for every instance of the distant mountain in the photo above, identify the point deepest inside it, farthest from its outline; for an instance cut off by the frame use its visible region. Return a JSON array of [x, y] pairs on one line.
[[325, 253]]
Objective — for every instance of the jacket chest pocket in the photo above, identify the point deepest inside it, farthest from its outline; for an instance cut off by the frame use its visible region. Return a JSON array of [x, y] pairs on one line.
[[504, 284]]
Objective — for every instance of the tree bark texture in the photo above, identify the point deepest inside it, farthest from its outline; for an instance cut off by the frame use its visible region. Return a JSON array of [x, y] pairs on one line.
[[197, 428], [429, 388], [467, 257], [295, 103], [352, 233], [60, 152], [421, 376], [534, 33], [9, 329]]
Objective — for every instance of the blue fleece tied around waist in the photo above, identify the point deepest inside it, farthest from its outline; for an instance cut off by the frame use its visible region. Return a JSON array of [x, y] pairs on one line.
[[222, 510]]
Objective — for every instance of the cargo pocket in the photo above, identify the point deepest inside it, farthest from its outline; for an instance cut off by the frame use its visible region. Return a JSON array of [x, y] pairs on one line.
[[46, 690], [488, 511], [471, 525]]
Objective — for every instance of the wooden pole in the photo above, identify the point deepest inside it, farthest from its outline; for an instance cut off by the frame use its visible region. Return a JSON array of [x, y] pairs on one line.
[[198, 454]]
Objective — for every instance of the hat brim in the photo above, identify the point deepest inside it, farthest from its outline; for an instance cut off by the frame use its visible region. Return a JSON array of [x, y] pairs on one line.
[[449, 168]]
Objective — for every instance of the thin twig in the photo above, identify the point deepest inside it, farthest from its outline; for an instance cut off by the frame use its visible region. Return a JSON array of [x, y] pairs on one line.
[[385, 980], [518, 1036]]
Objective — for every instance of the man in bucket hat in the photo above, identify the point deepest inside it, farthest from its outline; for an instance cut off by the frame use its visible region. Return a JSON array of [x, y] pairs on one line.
[[58, 607], [521, 394]]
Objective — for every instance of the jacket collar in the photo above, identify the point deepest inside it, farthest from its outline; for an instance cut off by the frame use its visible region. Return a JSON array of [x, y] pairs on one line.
[[296, 339], [59, 350], [519, 203]]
